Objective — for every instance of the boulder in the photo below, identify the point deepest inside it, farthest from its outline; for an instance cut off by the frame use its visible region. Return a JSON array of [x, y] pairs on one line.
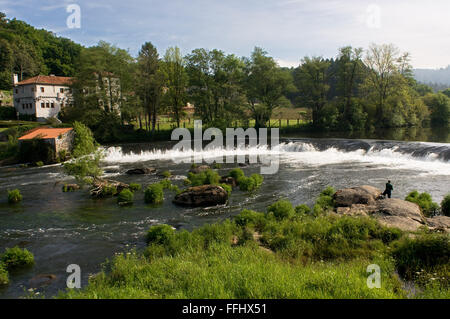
[[98, 186], [202, 196], [368, 201], [199, 169], [439, 223], [141, 171], [366, 195], [228, 180]]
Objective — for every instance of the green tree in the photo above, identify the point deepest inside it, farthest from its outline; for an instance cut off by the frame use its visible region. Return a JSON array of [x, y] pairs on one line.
[[439, 105], [176, 80]]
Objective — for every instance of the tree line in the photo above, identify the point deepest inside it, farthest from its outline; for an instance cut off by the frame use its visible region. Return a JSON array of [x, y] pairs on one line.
[[356, 90]]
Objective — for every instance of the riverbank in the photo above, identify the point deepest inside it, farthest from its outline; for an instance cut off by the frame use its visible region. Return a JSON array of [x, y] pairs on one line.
[[285, 252]]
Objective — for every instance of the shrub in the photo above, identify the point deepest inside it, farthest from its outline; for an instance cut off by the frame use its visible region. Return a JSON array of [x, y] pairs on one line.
[[204, 178], [14, 258], [217, 166], [227, 187], [84, 142], [135, 187], [236, 173], [248, 184], [445, 205], [4, 278], [39, 163], [109, 190], [325, 201], [429, 252], [125, 197], [154, 194], [250, 218], [166, 174], [14, 196], [302, 209], [281, 210], [424, 201], [160, 234]]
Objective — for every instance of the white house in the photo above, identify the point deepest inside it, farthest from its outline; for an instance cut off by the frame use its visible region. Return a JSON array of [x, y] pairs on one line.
[[42, 96]]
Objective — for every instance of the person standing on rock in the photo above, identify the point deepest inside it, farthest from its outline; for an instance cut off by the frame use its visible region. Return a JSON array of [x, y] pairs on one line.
[[388, 190]]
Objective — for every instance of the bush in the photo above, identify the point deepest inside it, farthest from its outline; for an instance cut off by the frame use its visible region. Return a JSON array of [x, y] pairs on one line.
[[302, 209], [281, 210], [14, 196], [250, 218], [154, 194], [84, 142], [109, 190], [125, 197], [14, 258], [166, 174], [208, 177], [39, 163], [428, 252], [4, 278], [217, 166], [424, 201], [236, 173], [325, 201], [135, 187], [445, 205], [227, 187], [160, 234], [248, 184]]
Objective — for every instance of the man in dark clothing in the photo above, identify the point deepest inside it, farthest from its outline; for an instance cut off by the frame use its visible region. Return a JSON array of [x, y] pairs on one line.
[[388, 190]]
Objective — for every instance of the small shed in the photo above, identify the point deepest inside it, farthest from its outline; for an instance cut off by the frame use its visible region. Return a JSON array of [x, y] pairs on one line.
[[60, 139]]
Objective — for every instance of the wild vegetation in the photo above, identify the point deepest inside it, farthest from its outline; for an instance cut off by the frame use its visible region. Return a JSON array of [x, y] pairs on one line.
[[285, 252]]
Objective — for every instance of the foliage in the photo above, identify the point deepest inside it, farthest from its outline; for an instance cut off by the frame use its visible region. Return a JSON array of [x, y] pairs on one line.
[[208, 177], [14, 196], [154, 194], [14, 258], [160, 234], [248, 184], [39, 163], [427, 253], [281, 210], [125, 197], [135, 187], [109, 190], [227, 188], [36, 150], [166, 174], [445, 205], [236, 173], [302, 209], [425, 202], [84, 142], [85, 168], [4, 278], [325, 201]]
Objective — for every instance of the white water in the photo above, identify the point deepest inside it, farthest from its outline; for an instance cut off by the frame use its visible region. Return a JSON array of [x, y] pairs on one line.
[[299, 153]]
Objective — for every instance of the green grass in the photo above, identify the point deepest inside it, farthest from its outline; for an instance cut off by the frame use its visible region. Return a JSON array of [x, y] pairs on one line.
[[281, 253]]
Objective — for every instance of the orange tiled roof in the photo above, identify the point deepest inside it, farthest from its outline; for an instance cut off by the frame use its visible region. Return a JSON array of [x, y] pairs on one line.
[[45, 133], [47, 79]]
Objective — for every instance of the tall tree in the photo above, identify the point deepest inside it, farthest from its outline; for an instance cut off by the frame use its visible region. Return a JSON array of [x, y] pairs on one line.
[[175, 79], [311, 78], [265, 85]]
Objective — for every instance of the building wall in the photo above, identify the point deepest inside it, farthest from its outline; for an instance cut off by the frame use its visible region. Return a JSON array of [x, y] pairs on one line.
[[64, 142], [30, 99]]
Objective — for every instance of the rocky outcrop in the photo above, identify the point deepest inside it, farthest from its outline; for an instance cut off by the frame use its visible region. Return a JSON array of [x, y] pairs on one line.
[[439, 223], [202, 196], [141, 171], [367, 201], [199, 169], [365, 194]]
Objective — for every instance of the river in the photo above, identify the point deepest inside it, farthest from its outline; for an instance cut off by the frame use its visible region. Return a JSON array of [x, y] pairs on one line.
[[71, 228]]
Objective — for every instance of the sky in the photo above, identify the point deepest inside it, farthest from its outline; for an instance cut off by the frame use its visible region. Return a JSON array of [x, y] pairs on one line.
[[287, 29]]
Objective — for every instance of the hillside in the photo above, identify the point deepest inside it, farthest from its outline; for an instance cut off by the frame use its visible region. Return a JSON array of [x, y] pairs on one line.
[[28, 51], [439, 76]]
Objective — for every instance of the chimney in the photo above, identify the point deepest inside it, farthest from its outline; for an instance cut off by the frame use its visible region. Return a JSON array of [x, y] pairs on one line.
[[15, 79]]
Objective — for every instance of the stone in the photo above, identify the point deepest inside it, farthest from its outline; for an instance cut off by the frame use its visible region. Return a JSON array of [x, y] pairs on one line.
[[202, 196], [439, 223], [228, 180], [141, 171], [42, 280], [366, 195]]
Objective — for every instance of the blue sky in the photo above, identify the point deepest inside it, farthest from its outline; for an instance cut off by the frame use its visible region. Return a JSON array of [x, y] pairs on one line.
[[287, 29]]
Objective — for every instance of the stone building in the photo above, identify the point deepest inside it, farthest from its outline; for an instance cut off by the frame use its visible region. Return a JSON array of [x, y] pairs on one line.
[[60, 139]]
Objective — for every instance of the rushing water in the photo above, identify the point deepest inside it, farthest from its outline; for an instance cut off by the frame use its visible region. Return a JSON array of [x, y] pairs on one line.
[[70, 228]]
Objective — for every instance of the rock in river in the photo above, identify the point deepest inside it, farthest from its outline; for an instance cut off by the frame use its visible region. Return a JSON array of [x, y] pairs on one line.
[[141, 171], [206, 195]]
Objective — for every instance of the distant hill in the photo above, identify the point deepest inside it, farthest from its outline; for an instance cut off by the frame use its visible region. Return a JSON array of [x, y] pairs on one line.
[[437, 76]]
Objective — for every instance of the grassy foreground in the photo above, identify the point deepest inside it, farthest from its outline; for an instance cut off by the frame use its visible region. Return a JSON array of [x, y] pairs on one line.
[[286, 252]]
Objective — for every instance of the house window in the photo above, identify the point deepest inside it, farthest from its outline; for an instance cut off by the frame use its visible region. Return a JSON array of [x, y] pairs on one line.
[[61, 90], [53, 105], [47, 105], [42, 89], [42, 105]]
